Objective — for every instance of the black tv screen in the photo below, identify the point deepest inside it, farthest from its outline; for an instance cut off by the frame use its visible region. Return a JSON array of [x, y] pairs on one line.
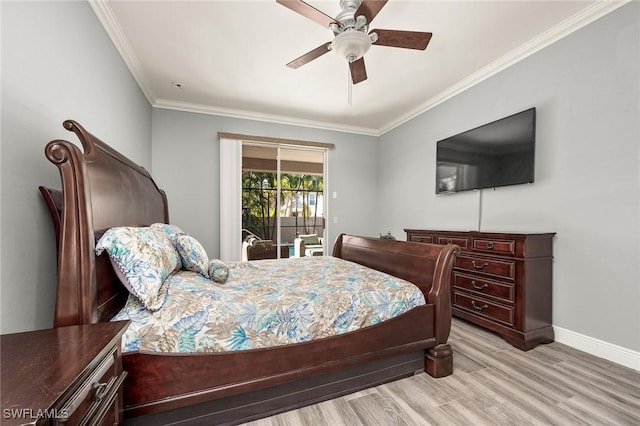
[[497, 154]]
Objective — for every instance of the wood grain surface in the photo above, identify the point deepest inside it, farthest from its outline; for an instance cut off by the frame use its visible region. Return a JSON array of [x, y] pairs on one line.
[[493, 383]]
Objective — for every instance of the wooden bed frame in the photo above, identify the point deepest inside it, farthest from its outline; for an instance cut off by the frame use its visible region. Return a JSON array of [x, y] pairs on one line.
[[102, 189]]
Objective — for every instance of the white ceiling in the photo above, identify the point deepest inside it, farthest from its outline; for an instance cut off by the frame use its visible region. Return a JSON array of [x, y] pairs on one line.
[[230, 56]]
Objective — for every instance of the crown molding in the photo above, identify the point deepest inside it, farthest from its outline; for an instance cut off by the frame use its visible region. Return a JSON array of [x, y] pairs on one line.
[[588, 15], [105, 15], [107, 18], [259, 116], [563, 29]]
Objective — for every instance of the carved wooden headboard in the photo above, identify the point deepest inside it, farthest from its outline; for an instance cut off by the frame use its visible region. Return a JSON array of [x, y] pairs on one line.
[[101, 189]]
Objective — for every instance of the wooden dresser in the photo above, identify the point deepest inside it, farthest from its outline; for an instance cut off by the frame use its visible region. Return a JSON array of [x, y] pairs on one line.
[[68, 375], [501, 281]]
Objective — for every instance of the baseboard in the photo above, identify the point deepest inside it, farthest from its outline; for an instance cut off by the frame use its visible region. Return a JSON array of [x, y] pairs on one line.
[[599, 348]]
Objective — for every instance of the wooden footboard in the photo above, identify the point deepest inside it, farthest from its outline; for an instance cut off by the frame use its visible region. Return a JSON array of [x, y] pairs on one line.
[[428, 266], [207, 376]]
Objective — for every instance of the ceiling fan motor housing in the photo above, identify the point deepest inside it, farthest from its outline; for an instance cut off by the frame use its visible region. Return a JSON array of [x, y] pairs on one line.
[[351, 45], [346, 17], [351, 41]]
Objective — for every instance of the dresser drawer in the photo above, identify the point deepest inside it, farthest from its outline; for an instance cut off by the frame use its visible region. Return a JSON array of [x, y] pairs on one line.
[[496, 267], [95, 392], [503, 247], [461, 242], [484, 308], [502, 291], [422, 238]]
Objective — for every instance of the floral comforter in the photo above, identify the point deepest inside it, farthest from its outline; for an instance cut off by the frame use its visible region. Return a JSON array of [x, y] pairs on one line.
[[267, 303]]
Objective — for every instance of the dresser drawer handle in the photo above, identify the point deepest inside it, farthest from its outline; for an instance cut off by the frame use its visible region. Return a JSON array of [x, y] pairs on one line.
[[449, 241], [479, 287], [480, 308], [479, 266], [99, 390], [490, 245]]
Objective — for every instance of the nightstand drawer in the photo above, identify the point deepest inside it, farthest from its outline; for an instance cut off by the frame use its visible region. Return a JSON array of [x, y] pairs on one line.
[[494, 246], [74, 375], [109, 413], [93, 392], [484, 308], [502, 291], [496, 267]]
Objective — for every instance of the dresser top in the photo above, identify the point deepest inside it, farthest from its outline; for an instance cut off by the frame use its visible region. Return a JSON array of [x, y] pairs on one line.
[[38, 367], [495, 234]]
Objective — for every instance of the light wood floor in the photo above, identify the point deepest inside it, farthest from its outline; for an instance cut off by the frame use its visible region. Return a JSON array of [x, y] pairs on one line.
[[492, 384]]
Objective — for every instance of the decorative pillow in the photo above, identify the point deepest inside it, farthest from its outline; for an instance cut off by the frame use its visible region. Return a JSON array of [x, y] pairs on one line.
[[143, 258], [310, 240], [218, 271], [171, 230], [194, 257]]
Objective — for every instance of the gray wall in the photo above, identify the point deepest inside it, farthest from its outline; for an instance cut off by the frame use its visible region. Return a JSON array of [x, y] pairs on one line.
[[186, 158], [57, 63], [586, 89]]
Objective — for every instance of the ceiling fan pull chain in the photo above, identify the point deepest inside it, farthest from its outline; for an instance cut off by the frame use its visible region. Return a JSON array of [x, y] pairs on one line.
[[349, 86]]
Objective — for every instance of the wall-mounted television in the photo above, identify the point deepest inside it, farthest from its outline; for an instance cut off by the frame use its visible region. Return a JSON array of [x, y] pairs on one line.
[[496, 154]]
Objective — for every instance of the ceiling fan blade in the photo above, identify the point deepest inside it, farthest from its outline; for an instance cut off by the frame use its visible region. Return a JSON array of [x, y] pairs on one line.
[[358, 71], [370, 8], [405, 39], [308, 11], [309, 56]]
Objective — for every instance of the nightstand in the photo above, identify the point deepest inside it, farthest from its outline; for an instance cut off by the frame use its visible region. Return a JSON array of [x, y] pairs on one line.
[[68, 375]]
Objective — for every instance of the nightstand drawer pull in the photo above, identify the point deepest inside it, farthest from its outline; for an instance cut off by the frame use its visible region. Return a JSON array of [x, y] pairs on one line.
[[480, 308], [81, 395], [490, 245], [99, 390], [479, 266], [479, 287]]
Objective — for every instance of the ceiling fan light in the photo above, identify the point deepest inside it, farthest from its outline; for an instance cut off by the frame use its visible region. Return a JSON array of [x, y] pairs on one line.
[[351, 45]]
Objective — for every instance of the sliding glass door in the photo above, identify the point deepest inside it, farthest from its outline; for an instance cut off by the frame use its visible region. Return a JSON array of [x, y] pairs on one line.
[[282, 198]]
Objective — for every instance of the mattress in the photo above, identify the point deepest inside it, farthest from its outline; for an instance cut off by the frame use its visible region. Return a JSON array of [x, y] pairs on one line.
[[267, 303]]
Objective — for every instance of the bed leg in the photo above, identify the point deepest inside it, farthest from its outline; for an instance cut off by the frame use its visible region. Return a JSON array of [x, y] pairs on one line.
[[439, 361]]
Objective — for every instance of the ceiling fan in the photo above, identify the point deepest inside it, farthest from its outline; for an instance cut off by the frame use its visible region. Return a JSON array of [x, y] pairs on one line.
[[352, 38]]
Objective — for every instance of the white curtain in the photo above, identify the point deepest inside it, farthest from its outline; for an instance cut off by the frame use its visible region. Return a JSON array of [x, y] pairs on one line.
[[230, 200]]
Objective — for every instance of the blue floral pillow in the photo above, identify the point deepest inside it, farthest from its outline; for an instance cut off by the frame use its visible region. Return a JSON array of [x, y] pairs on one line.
[[143, 258], [192, 254], [171, 230], [218, 271]]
